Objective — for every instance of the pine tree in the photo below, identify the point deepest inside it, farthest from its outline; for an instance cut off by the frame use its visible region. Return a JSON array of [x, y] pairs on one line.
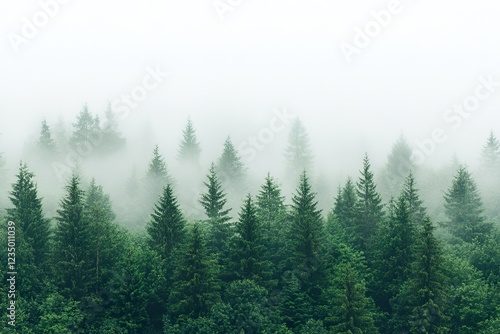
[[166, 227], [345, 207], [157, 177], [393, 253], [416, 210], [214, 202], [351, 310], [32, 234], [421, 306], [112, 140], [189, 150], [298, 152], [196, 287], [73, 237], [306, 237], [230, 169], [104, 245], [399, 164], [369, 208], [87, 133], [248, 248], [464, 208], [46, 145], [490, 156]]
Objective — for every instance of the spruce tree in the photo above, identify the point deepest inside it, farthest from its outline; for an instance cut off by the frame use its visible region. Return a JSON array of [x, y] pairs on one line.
[[73, 237], [157, 177], [214, 202], [464, 208], [166, 227], [351, 310], [345, 207], [248, 248], [421, 305], [369, 212], [196, 287], [306, 238], [46, 144], [230, 169], [298, 153], [399, 164], [189, 149], [416, 210], [32, 234], [112, 140], [87, 133], [490, 155]]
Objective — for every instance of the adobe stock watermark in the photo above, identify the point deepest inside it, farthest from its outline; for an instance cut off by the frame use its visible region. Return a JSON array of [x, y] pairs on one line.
[[250, 147], [121, 107], [31, 26], [363, 37], [223, 7], [454, 117]]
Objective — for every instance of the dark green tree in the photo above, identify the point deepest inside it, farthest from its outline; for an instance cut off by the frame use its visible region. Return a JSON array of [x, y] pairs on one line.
[[214, 203], [72, 251], [421, 306], [369, 211], [189, 149], [307, 240], [298, 153], [345, 207], [351, 310], [464, 208], [196, 287], [416, 210], [248, 248], [46, 144], [157, 177]]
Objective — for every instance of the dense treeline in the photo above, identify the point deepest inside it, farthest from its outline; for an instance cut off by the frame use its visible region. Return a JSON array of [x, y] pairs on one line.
[[376, 262]]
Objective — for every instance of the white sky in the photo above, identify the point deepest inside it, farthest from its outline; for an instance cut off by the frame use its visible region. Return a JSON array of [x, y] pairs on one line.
[[264, 55]]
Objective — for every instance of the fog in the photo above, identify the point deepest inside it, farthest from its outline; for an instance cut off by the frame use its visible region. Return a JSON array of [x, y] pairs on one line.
[[233, 71]]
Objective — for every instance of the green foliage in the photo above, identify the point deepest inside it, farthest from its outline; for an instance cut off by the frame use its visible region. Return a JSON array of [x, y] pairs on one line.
[[189, 149], [230, 169], [369, 212], [345, 207], [60, 315], [464, 208], [87, 133], [111, 140], [490, 155], [298, 153], [46, 144], [399, 164]]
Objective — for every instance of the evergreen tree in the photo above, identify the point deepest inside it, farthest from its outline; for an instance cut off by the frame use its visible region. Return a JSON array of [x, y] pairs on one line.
[[46, 145], [416, 210], [464, 208], [298, 153], [166, 227], [345, 207], [86, 133], [296, 305], [421, 306], [196, 287], [73, 237], [230, 169], [306, 237], [248, 247], [399, 164], [189, 150], [369, 212], [214, 202], [112, 140], [490, 155], [157, 177], [351, 311]]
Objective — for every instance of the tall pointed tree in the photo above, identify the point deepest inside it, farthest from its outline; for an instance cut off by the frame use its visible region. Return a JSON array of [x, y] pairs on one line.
[[111, 140], [33, 233], [196, 287], [167, 224], [230, 168], [399, 164], [345, 207], [369, 208], [298, 153], [189, 149], [86, 133], [46, 143], [248, 248], [490, 155], [157, 177], [306, 237], [416, 210], [214, 204], [73, 237], [421, 306], [464, 208]]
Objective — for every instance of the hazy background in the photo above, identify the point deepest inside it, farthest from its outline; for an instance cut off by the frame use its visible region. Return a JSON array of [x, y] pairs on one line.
[[228, 75]]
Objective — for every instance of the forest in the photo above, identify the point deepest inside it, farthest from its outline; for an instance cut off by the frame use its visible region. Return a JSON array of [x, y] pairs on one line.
[[207, 247]]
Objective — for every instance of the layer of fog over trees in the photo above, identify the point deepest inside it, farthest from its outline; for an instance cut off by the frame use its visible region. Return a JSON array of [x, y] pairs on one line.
[[92, 144]]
